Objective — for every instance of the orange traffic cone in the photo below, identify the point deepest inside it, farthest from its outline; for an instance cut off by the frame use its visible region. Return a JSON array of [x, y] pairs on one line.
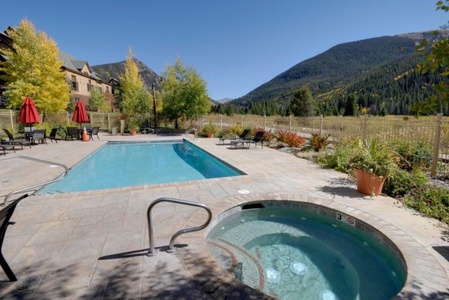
[[85, 136]]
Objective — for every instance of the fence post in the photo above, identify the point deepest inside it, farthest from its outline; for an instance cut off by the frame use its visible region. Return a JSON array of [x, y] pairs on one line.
[[321, 124], [436, 146], [364, 129], [12, 120]]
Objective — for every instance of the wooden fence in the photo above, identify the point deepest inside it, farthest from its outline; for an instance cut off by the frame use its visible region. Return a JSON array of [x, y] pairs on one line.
[[431, 132], [104, 120]]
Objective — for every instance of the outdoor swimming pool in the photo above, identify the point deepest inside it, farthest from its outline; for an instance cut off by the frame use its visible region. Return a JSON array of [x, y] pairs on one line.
[[131, 164], [296, 252]]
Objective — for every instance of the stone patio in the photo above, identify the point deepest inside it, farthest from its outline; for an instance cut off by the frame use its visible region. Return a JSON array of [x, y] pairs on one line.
[[93, 245]]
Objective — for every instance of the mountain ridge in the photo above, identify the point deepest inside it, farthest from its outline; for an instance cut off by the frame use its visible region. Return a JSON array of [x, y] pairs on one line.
[[342, 69], [115, 70], [336, 66]]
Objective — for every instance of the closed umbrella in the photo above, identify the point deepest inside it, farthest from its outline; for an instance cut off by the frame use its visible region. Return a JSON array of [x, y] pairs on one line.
[[28, 112], [80, 115]]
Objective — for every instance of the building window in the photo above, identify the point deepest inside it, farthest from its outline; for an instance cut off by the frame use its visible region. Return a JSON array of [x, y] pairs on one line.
[[74, 84], [107, 89], [89, 86]]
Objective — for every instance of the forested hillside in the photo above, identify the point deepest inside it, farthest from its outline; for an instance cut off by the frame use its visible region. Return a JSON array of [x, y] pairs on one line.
[[377, 74], [395, 87]]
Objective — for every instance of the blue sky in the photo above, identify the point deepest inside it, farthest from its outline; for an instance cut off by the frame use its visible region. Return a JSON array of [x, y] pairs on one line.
[[235, 45]]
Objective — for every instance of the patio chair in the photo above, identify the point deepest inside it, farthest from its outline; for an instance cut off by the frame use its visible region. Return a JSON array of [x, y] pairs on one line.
[[72, 133], [39, 137], [52, 135], [243, 136], [22, 141], [5, 147], [240, 143], [5, 215], [258, 138], [11, 136], [93, 132]]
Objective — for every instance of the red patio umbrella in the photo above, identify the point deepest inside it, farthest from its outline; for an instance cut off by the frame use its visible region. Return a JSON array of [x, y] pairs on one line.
[[80, 115], [28, 112]]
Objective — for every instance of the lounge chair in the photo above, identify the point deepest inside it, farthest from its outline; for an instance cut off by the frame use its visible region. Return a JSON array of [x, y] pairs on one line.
[[243, 136], [93, 132], [22, 141], [240, 143], [5, 216], [11, 136], [52, 135], [258, 138], [5, 147], [38, 137]]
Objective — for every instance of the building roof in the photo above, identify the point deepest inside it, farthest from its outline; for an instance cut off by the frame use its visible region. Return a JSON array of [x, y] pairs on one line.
[[71, 63]]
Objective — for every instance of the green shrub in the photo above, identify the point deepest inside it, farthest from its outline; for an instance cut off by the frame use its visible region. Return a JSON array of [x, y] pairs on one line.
[[338, 157], [375, 157], [235, 130], [401, 182], [212, 128], [430, 200], [414, 154]]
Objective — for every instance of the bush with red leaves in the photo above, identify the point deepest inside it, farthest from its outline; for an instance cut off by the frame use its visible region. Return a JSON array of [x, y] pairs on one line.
[[292, 139]]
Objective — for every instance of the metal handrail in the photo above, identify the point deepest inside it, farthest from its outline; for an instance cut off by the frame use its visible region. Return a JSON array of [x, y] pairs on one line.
[[195, 133], [35, 186], [178, 233]]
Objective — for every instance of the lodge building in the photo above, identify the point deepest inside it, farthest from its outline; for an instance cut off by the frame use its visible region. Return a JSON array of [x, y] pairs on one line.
[[79, 75]]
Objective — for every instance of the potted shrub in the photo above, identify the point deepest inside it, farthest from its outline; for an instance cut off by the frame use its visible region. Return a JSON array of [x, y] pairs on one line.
[[133, 126], [209, 130], [372, 164]]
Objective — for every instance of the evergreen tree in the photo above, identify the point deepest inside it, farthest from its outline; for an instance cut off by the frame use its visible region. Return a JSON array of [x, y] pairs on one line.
[[352, 106], [184, 93], [34, 69], [229, 110], [303, 104]]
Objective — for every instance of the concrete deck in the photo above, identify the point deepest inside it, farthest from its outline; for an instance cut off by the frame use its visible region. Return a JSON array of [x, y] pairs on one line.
[[92, 245]]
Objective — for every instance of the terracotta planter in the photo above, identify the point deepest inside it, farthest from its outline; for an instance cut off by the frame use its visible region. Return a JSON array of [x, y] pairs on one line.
[[210, 135], [132, 132], [369, 184]]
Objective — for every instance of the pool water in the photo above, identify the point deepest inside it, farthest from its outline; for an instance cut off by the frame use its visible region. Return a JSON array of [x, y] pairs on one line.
[[131, 164], [296, 254]]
